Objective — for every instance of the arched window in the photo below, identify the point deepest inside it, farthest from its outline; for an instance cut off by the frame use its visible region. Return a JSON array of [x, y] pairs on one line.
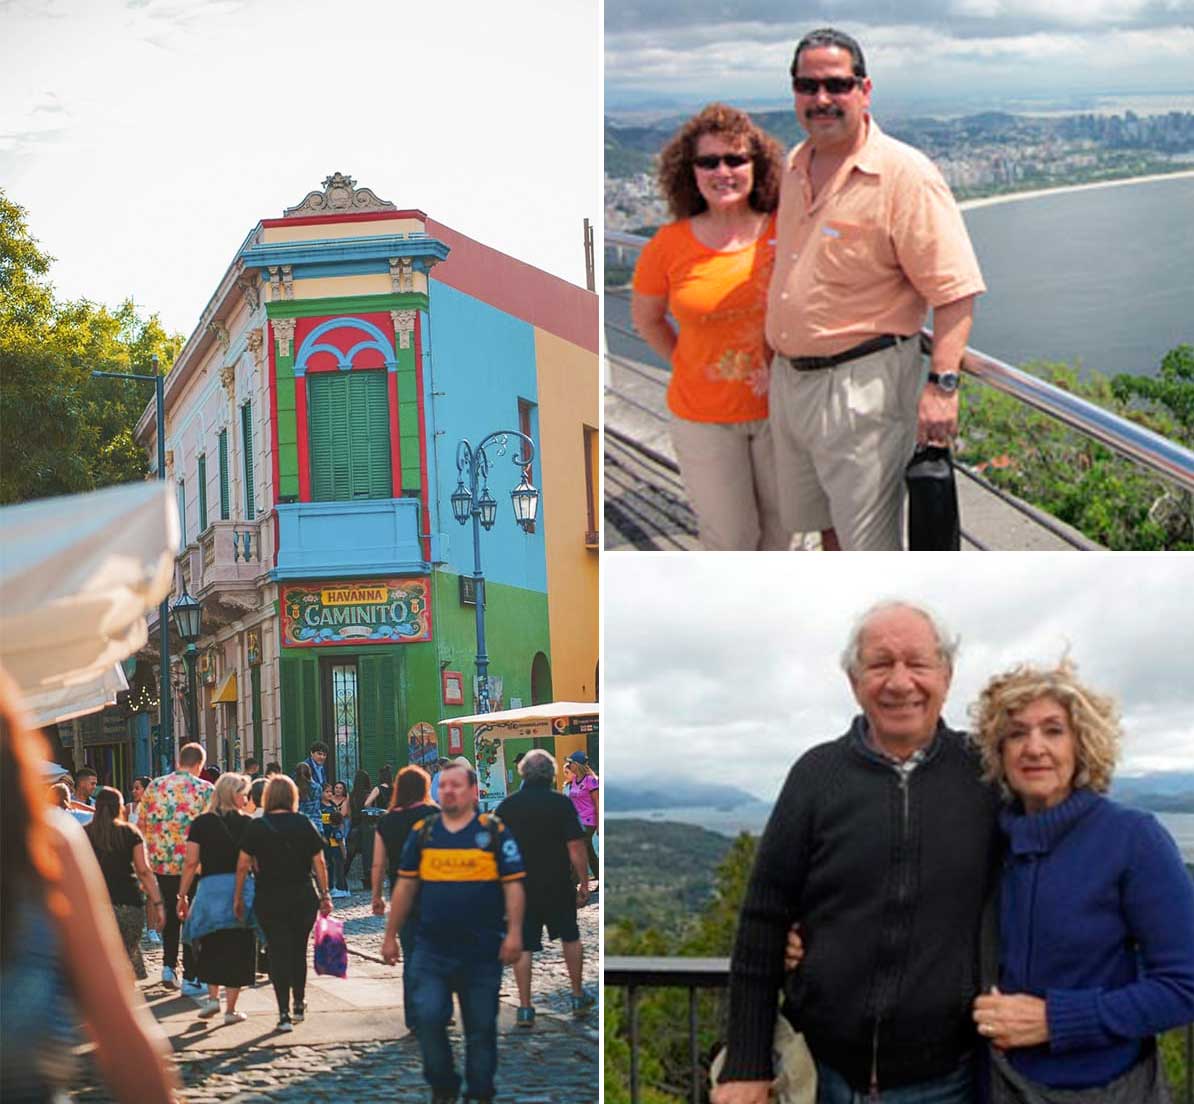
[[540, 679]]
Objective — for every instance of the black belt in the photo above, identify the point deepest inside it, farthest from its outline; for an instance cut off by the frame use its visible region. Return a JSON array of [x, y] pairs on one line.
[[816, 364]]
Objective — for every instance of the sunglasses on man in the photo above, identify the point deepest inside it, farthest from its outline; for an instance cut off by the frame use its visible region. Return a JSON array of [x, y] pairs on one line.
[[710, 161], [835, 86]]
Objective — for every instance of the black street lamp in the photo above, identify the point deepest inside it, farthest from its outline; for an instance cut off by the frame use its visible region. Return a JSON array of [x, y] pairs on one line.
[[164, 745], [471, 500], [188, 620]]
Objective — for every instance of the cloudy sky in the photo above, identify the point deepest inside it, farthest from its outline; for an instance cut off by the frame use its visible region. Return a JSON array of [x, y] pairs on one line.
[[147, 137], [920, 52], [724, 668]]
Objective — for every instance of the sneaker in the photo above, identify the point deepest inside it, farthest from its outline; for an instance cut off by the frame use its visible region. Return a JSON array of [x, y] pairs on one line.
[[169, 977], [525, 1017], [234, 1017], [208, 1008], [284, 1023], [341, 893], [152, 938], [195, 989], [300, 1012], [583, 1003]]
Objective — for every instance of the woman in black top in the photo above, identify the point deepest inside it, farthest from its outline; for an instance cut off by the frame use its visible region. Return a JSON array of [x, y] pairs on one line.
[[120, 849], [410, 804], [226, 955], [287, 851], [379, 796], [360, 841]]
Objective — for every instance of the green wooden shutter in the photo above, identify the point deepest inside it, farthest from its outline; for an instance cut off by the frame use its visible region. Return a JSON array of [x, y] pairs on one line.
[[255, 706], [223, 450], [182, 514], [301, 717], [379, 679], [348, 426], [246, 426], [202, 492]]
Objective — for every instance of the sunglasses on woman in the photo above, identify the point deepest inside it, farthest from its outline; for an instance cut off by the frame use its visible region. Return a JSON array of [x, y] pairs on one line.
[[713, 160]]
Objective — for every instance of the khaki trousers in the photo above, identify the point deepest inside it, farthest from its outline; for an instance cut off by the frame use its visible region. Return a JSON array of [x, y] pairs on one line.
[[729, 473], [842, 437]]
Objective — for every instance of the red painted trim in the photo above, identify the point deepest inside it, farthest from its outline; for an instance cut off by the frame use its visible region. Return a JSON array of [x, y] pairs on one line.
[[425, 491], [395, 439], [311, 368], [517, 288], [273, 417], [358, 216], [300, 432]]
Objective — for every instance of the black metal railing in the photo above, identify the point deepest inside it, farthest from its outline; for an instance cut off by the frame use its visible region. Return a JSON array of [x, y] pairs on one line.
[[635, 973]]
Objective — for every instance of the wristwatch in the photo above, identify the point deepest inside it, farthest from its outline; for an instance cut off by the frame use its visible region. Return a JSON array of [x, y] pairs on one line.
[[945, 381]]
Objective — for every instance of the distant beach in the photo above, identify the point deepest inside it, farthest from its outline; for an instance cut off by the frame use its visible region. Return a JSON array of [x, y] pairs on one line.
[[993, 201]]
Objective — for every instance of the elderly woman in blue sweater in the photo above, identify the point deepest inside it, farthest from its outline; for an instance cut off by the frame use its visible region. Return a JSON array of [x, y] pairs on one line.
[[1096, 910]]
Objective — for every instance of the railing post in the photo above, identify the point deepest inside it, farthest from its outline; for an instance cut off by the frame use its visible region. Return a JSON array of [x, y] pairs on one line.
[[692, 1045], [632, 1018]]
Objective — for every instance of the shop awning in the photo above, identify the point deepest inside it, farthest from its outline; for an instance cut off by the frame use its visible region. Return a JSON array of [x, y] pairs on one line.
[[227, 689], [548, 711], [77, 575], [61, 703]]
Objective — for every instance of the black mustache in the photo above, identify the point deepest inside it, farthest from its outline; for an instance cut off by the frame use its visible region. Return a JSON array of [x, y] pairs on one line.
[[832, 112]]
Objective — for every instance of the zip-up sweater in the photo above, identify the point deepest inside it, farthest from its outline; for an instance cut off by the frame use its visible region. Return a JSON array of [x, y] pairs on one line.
[[1097, 918], [886, 871]]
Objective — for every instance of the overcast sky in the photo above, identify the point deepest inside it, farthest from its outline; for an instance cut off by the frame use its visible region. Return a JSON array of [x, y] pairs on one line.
[[147, 137], [940, 51], [724, 668]]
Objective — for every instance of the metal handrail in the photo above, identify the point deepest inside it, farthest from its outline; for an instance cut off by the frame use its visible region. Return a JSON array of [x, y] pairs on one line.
[[633, 972], [1138, 444]]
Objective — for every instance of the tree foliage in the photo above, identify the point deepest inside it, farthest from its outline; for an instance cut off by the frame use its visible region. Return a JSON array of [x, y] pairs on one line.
[[62, 432], [1110, 499]]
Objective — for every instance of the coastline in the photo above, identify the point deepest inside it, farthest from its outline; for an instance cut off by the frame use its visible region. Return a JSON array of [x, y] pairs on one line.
[[1011, 197]]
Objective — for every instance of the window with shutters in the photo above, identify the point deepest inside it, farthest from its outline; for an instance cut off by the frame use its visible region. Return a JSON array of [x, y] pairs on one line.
[[223, 450], [246, 432], [348, 426], [202, 491]]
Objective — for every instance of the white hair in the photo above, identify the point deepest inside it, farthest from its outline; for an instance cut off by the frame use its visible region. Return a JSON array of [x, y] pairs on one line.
[[947, 645], [537, 766]]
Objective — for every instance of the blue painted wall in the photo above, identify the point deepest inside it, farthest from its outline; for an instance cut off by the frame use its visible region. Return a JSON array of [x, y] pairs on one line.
[[483, 362]]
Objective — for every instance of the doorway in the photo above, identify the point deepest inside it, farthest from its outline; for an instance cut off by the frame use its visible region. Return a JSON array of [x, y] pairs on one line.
[[341, 719]]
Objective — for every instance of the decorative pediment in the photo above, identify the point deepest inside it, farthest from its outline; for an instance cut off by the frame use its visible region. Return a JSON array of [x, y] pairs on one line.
[[340, 193]]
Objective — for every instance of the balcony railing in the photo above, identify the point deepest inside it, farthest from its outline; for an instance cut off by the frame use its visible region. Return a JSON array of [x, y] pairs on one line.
[[372, 536], [1134, 442], [635, 973]]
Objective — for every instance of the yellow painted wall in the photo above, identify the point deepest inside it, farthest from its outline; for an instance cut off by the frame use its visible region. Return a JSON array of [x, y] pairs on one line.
[[375, 283], [319, 230], [568, 401]]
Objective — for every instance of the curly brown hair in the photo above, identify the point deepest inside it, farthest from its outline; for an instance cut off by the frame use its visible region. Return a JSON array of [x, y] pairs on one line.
[[677, 179]]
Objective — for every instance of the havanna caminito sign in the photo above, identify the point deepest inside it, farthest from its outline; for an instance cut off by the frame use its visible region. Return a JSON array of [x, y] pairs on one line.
[[373, 611]]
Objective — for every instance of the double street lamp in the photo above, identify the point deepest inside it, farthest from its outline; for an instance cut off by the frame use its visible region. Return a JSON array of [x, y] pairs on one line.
[[188, 621], [472, 499]]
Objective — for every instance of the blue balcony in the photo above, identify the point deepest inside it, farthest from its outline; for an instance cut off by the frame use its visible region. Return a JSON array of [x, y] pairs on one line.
[[325, 540]]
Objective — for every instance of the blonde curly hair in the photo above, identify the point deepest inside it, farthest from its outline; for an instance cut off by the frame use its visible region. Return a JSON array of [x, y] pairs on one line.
[[1093, 718]]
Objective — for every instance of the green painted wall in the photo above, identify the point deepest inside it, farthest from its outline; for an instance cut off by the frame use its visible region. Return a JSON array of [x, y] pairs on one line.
[[399, 685]]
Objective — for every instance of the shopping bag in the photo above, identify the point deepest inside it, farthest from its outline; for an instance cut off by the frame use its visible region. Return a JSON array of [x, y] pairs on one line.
[[331, 952], [932, 501]]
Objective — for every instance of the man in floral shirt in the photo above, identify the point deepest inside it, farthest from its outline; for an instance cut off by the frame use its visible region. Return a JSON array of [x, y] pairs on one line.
[[168, 807]]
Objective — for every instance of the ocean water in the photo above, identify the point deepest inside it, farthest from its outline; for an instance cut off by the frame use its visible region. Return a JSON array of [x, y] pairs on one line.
[[1105, 276], [751, 818]]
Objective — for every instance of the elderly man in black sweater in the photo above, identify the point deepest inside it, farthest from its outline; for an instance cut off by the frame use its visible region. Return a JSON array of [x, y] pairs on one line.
[[882, 846]]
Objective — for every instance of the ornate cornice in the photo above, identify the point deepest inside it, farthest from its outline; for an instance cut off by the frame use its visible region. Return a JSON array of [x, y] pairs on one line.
[[339, 194], [402, 276], [220, 333], [250, 287], [228, 380], [255, 344]]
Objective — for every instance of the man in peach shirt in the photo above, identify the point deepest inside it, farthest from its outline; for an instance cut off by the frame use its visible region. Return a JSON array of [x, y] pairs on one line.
[[869, 238]]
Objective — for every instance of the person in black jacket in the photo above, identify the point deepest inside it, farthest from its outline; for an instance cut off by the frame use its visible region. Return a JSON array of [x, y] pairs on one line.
[[882, 845]]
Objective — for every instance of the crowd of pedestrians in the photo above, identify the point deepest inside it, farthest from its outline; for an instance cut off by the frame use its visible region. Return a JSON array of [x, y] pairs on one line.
[[232, 869]]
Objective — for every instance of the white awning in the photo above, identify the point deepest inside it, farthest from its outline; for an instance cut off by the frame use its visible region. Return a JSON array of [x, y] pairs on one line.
[[77, 575], [549, 711]]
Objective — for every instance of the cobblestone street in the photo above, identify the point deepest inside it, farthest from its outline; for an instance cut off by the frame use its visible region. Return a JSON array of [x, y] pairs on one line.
[[354, 1044]]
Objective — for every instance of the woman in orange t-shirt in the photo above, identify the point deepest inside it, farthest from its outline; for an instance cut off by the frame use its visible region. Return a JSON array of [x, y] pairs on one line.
[[709, 270]]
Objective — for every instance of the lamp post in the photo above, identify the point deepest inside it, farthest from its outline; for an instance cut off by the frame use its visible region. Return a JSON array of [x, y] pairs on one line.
[[165, 741], [472, 499], [188, 617]]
